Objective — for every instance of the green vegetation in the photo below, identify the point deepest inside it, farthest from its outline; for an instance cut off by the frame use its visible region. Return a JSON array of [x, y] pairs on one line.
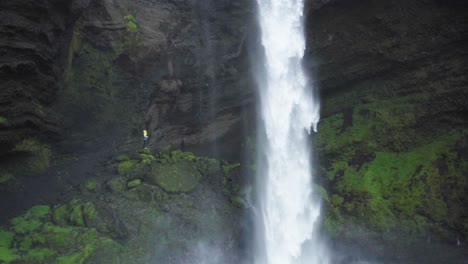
[[126, 166], [7, 255], [147, 159], [176, 156], [91, 185], [34, 239], [131, 23], [31, 220], [182, 176], [142, 211], [123, 157], [133, 183], [389, 175], [5, 238], [229, 167], [3, 120]]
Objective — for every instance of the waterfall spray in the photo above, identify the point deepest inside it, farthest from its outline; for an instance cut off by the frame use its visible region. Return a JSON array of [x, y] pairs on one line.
[[288, 210]]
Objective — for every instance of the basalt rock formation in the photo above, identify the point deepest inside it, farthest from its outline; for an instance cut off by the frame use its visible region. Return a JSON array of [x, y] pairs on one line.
[[392, 142], [178, 68], [34, 41]]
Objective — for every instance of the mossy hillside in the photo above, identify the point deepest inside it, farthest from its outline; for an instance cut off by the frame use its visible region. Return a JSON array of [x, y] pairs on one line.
[[33, 238], [387, 174], [149, 223]]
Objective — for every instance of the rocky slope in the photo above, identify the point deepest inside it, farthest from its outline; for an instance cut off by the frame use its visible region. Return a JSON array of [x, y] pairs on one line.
[[178, 208], [393, 136]]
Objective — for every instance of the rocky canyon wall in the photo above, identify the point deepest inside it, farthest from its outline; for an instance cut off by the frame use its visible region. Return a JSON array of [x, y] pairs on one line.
[[392, 142]]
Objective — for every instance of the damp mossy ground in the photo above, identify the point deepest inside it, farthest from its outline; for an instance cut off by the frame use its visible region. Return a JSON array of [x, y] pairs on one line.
[[135, 220], [389, 174], [37, 236]]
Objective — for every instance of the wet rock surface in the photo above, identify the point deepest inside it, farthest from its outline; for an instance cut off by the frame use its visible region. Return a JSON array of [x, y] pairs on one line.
[[393, 83], [34, 37], [117, 220]]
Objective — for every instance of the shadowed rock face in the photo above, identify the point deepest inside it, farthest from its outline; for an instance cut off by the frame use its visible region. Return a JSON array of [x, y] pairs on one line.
[[182, 73], [393, 82], [33, 37]]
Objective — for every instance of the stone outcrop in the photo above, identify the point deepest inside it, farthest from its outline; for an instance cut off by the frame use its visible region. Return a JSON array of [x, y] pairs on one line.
[[393, 137]]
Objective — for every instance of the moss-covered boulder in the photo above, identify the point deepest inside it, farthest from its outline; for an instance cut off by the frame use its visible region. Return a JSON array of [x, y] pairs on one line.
[[181, 176]]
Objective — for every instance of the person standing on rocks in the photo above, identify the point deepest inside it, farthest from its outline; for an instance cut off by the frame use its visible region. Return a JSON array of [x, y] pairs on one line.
[[145, 139]]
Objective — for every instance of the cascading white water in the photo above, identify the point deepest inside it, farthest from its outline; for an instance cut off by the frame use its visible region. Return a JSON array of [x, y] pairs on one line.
[[288, 111]]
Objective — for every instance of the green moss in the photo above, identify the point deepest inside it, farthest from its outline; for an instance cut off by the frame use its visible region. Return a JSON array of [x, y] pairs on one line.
[[3, 120], [209, 167], [147, 159], [6, 238], [237, 201], [393, 188], [40, 241], [75, 213], [39, 211], [89, 211], [133, 183], [323, 193], [38, 255], [177, 156], [182, 176], [91, 185], [60, 215], [117, 185], [131, 23], [123, 157], [22, 225], [126, 166], [7, 255], [229, 167], [39, 159]]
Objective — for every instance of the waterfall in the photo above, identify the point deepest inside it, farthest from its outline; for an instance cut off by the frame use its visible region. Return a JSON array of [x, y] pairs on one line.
[[289, 209]]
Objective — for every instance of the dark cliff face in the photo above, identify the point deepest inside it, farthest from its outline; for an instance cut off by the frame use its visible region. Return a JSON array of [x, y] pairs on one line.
[[178, 69], [34, 36], [393, 137], [111, 69]]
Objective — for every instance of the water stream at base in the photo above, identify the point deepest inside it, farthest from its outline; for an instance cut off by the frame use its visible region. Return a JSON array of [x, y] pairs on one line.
[[288, 210]]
